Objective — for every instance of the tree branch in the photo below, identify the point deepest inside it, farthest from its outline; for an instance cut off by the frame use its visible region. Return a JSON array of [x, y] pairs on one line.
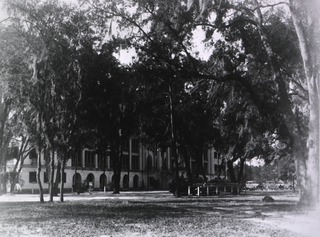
[[299, 95], [298, 84]]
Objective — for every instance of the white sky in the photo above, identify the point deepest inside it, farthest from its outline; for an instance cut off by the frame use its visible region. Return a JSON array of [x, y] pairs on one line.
[[127, 56], [3, 14]]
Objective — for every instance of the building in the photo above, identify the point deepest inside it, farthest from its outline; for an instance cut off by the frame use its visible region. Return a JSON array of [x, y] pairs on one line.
[[142, 168]]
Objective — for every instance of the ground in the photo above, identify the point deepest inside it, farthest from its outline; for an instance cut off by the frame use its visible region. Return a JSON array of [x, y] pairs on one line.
[[157, 213]]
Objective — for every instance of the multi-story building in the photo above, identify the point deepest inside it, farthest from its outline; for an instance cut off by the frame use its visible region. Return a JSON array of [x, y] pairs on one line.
[[142, 168]]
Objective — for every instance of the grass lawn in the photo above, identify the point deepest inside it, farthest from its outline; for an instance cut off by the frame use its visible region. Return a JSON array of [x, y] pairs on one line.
[[242, 215]]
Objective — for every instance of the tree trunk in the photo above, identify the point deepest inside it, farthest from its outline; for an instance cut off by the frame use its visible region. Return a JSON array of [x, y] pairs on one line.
[[306, 19], [241, 170], [13, 179], [3, 165], [174, 142], [116, 156], [74, 180], [5, 107], [38, 175], [312, 176], [63, 163], [232, 175], [186, 157], [307, 168], [51, 178], [56, 182], [300, 174], [39, 157], [203, 171], [116, 180]]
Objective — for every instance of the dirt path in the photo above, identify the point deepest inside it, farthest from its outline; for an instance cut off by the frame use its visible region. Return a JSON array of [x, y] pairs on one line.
[[304, 224]]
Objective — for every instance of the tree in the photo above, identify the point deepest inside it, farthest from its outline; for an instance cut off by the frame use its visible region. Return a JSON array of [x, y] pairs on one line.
[[305, 15], [9, 106], [22, 152], [53, 39], [21, 143], [248, 16], [146, 41], [109, 104], [197, 128], [5, 134]]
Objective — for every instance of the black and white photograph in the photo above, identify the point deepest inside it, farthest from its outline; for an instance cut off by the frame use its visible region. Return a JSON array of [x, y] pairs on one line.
[[159, 118]]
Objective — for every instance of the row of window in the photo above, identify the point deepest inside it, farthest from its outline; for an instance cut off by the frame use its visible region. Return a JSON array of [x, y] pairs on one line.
[[216, 155], [102, 158], [33, 177], [134, 146], [89, 161]]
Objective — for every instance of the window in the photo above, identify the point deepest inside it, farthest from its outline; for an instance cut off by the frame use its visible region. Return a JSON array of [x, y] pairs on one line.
[[89, 159], [172, 164], [126, 145], [163, 152], [135, 146], [76, 160], [45, 177], [102, 161], [215, 155], [149, 163], [33, 156], [205, 166], [125, 162], [193, 165], [164, 161], [135, 162], [64, 177], [216, 168], [156, 163], [205, 155], [13, 152], [111, 162], [32, 177]]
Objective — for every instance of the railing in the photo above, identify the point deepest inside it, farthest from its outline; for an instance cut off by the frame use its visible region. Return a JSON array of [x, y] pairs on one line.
[[210, 189]]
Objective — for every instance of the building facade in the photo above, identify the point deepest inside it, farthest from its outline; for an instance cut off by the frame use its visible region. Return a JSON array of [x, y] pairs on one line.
[[142, 168]]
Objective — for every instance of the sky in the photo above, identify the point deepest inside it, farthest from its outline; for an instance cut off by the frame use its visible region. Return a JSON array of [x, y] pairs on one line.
[[3, 14], [127, 56]]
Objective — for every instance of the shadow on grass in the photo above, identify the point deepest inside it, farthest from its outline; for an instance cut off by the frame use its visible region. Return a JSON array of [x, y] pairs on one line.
[[31, 212], [141, 211]]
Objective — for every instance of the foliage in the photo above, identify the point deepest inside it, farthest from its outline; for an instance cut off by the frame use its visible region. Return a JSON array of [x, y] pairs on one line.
[[52, 86], [109, 108], [12, 108], [256, 77]]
